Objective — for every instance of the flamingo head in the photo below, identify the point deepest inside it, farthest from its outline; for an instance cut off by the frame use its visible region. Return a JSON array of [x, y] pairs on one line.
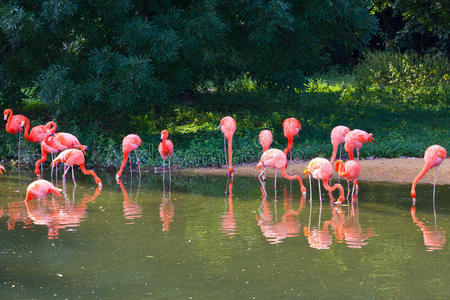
[[306, 171], [259, 165], [337, 165], [164, 135], [2, 169], [6, 112], [371, 139], [99, 183]]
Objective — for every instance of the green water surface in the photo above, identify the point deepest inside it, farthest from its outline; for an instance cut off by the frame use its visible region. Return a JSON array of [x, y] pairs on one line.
[[206, 238]]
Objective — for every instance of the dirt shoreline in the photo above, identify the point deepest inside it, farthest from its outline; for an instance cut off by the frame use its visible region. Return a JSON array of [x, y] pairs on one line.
[[398, 170]]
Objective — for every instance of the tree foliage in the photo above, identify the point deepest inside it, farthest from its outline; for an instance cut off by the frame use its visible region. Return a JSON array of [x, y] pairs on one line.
[[104, 61]]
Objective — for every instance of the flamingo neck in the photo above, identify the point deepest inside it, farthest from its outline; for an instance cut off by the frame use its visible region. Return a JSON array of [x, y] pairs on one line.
[[332, 188], [27, 130], [293, 177], [333, 156], [416, 180], [290, 143], [124, 162], [90, 172]]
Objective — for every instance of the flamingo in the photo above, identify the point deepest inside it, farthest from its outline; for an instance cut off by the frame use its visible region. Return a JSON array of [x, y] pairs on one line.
[[350, 171], [36, 134], [130, 143], [291, 127], [321, 169], [56, 142], [275, 158], [265, 139], [355, 139], [337, 136], [434, 155], [73, 157], [2, 169], [228, 127], [14, 124], [41, 188], [165, 148]]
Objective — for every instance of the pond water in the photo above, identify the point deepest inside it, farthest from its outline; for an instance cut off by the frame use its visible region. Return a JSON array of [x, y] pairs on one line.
[[205, 237]]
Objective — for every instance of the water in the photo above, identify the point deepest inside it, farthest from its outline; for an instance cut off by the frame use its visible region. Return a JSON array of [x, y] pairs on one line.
[[204, 237]]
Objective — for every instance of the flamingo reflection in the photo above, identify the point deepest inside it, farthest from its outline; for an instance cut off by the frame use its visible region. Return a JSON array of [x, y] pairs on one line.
[[433, 238], [166, 208], [319, 238], [17, 212], [351, 231], [228, 220], [289, 225], [59, 214], [131, 209]]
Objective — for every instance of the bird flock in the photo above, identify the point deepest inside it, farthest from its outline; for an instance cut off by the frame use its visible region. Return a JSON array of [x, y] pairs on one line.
[[71, 152]]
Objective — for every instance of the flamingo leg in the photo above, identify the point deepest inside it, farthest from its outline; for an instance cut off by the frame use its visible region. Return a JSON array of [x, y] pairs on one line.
[[260, 180], [434, 183], [66, 169], [164, 164], [290, 162], [73, 177], [310, 188], [357, 153], [131, 169], [20, 138], [348, 190], [169, 163], [275, 183], [320, 191], [225, 150], [138, 162]]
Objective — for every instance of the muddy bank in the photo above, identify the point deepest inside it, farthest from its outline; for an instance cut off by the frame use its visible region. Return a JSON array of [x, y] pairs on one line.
[[399, 170]]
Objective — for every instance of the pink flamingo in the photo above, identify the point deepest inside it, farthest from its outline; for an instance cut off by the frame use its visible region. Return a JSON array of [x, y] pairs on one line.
[[41, 188], [291, 127], [130, 143], [275, 158], [337, 138], [265, 139], [434, 155], [228, 127], [2, 169], [165, 148], [57, 141], [355, 139], [73, 157], [14, 124], [36, 134], [321, 169], [350, 171]]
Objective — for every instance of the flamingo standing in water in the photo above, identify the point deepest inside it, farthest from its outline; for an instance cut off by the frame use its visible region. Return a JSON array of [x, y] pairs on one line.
[[130, 143], [265, 139], [355, 139], [56, 142], [321, 169], [350, 171], [165, 148], [228, 127], [275, 158], [434, 155], [291, 127], [73, 157], [14, 124], [41, 188], [337, 139]]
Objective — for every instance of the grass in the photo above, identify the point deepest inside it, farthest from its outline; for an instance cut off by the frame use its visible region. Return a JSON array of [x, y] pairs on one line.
[[404, 119]]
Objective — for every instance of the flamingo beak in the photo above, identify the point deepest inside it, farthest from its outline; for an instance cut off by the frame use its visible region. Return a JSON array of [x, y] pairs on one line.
[[306, 171], [5, 117], [216, 128], [371, 139]]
